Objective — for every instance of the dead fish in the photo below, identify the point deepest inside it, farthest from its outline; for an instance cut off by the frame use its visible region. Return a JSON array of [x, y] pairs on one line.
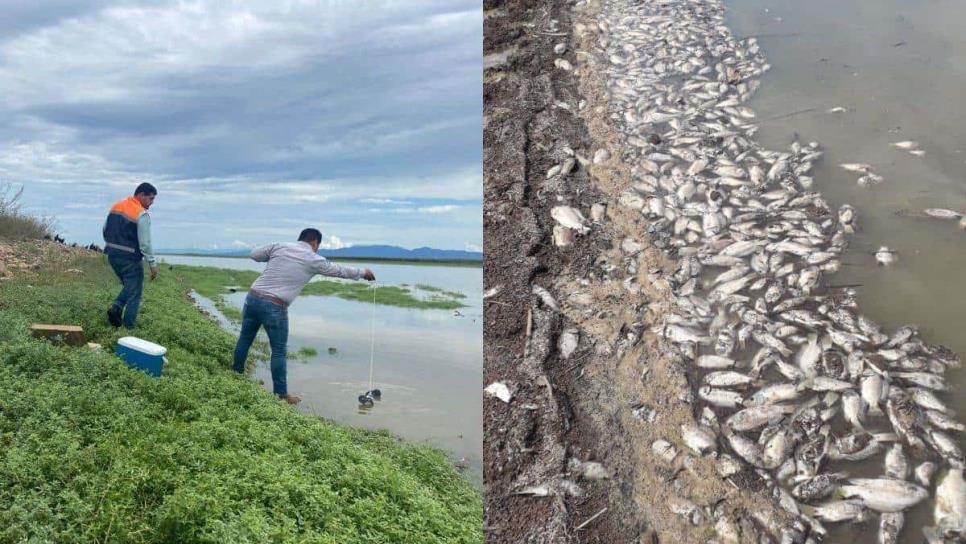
[[949, 514], [885, 256], [943, 421], [680, 334], [853, 408], [924, 473], [890, 525], [727, 378], [839, 511], [715, 362], [906, 145], [777, 448], [947, 447], [774, 394], [570, 218], [754, 417], [942, 213], [885, 494], [896, 463], [745, 448], [720, 397], [873, 391], [818, 487], [856, 167], [701, 440]]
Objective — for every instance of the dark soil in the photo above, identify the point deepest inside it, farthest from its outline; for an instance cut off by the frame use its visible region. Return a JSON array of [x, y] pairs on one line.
[[529, 440]]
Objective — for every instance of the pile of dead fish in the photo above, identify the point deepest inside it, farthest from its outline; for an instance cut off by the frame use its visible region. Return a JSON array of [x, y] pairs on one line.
[[792, 383]]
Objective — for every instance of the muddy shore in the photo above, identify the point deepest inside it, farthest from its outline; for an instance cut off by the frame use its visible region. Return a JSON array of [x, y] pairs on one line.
[[607, 400]]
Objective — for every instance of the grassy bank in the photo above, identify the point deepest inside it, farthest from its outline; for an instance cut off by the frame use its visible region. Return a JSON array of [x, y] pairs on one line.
[[91, 451], [214, 282]]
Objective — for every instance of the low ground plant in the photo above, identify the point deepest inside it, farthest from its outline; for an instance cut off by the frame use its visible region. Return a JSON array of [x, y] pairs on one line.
[[92, 451]]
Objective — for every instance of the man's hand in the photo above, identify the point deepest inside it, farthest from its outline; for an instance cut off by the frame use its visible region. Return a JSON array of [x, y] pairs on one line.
[[154, 272], [368, 275]]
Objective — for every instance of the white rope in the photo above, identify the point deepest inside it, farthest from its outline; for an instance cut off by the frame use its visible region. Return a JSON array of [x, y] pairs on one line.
[[372, 333]]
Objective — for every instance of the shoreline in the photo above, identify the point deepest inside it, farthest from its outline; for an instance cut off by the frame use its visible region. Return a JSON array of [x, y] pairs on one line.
[[415, 262]]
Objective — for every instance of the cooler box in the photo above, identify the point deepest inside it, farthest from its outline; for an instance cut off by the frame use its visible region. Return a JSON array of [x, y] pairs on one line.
[[141, 354]]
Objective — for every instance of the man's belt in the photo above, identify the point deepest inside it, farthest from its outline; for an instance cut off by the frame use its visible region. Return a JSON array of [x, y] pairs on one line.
[[271, 298]]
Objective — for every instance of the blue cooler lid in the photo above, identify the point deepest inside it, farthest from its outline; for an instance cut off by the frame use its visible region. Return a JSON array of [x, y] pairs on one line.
[[137, 344]]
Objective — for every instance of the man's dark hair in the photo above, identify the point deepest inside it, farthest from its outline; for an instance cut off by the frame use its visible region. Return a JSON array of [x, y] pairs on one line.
[[145, 188], [310, 235]]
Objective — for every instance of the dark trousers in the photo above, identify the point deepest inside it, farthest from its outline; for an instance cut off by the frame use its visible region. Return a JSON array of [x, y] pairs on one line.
[[131, 273], [257, 313]]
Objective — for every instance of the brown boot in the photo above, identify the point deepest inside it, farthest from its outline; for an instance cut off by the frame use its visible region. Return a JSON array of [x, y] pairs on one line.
[[291, 399]]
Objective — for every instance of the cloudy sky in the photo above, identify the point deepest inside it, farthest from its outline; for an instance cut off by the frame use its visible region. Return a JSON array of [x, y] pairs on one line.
[[253, 118]]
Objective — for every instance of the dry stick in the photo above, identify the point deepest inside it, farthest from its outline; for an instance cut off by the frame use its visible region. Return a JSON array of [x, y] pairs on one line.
[[785, 115], [592, 518]]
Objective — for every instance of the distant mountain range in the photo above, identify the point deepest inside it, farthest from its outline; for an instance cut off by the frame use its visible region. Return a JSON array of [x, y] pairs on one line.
[[355, 252]]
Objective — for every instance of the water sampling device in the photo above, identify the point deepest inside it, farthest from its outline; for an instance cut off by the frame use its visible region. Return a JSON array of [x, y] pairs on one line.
[[367, 399]]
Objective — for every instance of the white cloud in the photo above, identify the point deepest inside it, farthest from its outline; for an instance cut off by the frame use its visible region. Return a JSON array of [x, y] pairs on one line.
[[387, 201], [331, 242], [473, 247], [446, 208], [241, 245]]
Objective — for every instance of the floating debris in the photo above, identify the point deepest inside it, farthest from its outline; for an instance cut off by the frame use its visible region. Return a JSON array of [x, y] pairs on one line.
[[907, 145], [837, 109], [885, 256]]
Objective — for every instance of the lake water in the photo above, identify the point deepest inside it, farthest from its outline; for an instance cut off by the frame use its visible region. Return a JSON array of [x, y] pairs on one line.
[[428, 363], [900, 70]]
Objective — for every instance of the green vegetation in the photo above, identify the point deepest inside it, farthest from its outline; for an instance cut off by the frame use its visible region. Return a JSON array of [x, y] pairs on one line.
[[304, 352], [14, 224], [91, 451], [214, 282], [431, 289]]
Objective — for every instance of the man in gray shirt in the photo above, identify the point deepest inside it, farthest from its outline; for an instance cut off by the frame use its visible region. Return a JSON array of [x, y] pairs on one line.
[[290, 266]]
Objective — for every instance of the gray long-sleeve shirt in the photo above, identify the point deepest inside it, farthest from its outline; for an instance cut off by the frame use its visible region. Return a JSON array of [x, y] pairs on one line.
[[291, 265], [144, 238]]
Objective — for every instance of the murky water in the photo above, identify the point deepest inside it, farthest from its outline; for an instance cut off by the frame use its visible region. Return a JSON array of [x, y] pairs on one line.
[[898, 67], [428, 363]]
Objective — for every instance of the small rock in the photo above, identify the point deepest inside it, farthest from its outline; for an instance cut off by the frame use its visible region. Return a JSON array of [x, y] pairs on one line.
[[601, 155], [563, 237], [597, 212], [560, 48], [665, 450], [563, 64], [568, 342], [592, 470], [568, 166], [499, 390]]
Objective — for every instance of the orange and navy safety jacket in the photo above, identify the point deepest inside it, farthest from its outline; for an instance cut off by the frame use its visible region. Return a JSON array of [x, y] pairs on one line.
[[121, 229]]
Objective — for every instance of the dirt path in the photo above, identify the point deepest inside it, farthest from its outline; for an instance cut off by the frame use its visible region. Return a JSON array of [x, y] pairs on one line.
[[611, 397]]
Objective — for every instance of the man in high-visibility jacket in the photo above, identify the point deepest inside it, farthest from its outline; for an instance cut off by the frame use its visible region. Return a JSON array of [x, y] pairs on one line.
[[127, 240]]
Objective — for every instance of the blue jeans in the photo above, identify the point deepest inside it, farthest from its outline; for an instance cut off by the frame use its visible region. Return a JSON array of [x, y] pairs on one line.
[[259, 312], [131, 273]]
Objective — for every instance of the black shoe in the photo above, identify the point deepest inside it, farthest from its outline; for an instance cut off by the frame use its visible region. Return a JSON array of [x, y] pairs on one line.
[[114, 316]]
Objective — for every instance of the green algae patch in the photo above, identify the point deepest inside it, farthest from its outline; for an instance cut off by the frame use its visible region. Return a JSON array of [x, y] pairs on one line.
[[213, 283]]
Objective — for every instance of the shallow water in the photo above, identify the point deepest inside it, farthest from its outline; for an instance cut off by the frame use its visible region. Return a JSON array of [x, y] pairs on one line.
[[898, 68], [428, 363]]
